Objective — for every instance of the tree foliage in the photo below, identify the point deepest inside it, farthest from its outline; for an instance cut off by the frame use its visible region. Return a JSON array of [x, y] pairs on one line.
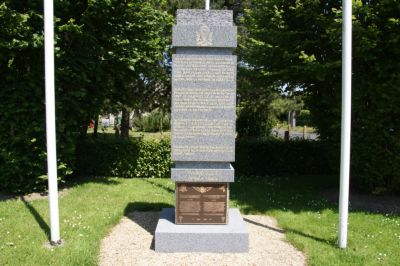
[[106, 55], [297, 44]]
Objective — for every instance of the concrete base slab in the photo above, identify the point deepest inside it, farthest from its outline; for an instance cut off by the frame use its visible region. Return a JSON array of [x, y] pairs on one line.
[[230, 238]]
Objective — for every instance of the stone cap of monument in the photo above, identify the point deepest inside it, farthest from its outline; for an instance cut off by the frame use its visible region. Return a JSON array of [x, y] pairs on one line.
[[204, 28], [201, 16]]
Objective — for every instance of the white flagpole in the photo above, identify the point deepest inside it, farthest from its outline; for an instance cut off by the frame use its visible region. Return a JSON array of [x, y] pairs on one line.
[[51, 122], [346, 123], [207, 4]]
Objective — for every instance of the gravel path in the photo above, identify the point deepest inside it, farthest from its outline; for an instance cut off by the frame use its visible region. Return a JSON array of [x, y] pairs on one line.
[[131, 243]]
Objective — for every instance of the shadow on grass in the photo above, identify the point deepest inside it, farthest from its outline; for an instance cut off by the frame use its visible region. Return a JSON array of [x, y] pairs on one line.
[[42, 224], [291, 194], [322, 240], [91, 179], [145, 214], [70, 183], [142, 206], [6, 196], [330, 242], [168, 189]]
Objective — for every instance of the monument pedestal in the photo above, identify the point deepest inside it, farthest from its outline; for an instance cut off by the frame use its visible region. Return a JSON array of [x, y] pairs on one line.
[[229, 238], [203, 131]]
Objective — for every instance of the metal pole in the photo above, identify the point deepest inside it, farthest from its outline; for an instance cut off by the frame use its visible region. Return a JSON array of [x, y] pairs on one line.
[[207, 4], [51, 122], [346, 123]]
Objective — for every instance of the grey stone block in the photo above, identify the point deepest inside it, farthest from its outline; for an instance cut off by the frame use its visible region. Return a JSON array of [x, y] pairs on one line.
[[230, 238], [201, 16], [203, 108], [200, 165], [216, 36], [203, 174], [203, 51]]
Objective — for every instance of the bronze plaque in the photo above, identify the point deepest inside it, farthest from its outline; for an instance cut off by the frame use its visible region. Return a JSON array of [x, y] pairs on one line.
[[201, 203]]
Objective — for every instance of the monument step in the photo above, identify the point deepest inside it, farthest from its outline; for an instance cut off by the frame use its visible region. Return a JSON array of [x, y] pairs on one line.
[[230, 238]]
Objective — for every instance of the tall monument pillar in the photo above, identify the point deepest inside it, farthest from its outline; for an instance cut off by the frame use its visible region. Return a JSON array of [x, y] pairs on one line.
[[203, 137]]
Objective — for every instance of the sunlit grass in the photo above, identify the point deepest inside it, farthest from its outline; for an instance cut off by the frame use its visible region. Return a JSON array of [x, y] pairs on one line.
[[90, 210], [87, 213], [311, 223]]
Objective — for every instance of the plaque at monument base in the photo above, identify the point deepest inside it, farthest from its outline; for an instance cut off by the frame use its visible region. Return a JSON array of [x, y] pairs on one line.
[[201, 203], [203, 130]]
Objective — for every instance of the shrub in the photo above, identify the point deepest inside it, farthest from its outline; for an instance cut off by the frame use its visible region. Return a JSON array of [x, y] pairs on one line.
[[110, 156], [154, 159], [277, 157], [375, 167]]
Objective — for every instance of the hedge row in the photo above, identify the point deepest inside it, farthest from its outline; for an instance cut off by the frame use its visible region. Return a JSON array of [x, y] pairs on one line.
[[277, 157], [138, 158], [110, 156]]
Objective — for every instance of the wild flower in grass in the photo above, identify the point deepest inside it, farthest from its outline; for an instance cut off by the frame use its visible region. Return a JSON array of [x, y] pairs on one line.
[[381, 256]]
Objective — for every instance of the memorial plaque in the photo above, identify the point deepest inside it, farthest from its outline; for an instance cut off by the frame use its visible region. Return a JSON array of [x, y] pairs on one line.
[[201, 203], [203, 107]]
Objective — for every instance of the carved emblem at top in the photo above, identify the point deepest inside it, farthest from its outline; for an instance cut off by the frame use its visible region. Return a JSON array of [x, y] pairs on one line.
[[202, 189], [204, 36]]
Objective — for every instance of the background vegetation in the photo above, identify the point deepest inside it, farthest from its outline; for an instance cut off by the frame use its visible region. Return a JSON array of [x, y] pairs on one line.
[[109, 56], [110, 156], [295, 47], [155, 121], [114, 56]]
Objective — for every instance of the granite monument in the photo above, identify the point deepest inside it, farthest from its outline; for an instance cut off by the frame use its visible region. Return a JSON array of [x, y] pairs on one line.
[[203, 137]]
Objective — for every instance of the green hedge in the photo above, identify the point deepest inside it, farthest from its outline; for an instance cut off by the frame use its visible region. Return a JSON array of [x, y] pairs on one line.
[[276, 157], [110, 156], [137, 158]]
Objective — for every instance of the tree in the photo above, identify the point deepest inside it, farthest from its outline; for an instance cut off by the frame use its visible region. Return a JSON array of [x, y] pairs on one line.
[[103, 50], [298, 44], [288, 105]]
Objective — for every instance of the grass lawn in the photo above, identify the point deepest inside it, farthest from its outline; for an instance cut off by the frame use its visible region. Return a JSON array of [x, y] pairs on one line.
[[91, 208]]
